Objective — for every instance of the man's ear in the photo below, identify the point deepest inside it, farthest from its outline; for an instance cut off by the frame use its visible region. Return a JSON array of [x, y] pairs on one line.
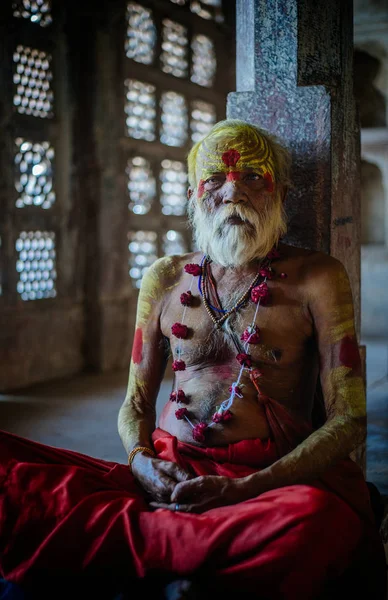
[[189, 193]]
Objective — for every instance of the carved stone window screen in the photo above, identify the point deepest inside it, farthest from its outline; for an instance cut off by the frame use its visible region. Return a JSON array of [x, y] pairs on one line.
[[170, 101], [36, 11], [36, 265]]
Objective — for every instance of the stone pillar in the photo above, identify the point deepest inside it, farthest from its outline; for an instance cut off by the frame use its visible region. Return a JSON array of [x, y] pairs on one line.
[[294, 78]]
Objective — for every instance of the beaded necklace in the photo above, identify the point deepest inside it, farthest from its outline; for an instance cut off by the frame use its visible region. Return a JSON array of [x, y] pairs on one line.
[[258, 292]]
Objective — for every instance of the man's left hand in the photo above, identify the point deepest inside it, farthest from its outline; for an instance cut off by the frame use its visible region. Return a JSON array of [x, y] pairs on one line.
[[206, 492]]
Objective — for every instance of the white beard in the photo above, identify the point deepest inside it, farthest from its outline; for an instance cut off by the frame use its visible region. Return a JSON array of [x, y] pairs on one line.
[[231, 245]]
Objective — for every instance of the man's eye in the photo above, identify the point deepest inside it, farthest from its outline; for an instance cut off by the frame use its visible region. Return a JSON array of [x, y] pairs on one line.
[[213, 180], [253, 176]]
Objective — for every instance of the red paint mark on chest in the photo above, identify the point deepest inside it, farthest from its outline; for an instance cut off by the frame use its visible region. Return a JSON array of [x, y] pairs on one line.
[[233, 176], [268, 182], [349, 354], [137, 348], [201, 188]]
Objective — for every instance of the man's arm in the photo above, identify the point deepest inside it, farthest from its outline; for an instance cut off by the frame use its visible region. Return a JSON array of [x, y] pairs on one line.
[[136, 420]]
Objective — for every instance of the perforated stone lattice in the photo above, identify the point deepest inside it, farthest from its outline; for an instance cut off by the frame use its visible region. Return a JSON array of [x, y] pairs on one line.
[[36, 265], [141, 185], [204, 61], [142, 253], [141, 34], [174, 49], [36, 11], [34, 173], [173, 182], [174, 119], [203, 117], [140, 109], [32, 78]]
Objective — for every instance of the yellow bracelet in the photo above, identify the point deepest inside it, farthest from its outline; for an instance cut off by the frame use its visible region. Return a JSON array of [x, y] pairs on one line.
[[133, 453]]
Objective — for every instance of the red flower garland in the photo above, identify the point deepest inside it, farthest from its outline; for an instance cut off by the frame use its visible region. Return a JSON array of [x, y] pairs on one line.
[[193, 269], [260, 292], [179, 396], [266, 272], [244, 359], [180, 331], [178, 365], [181, 413], [186, 298], [222, 417], [199, 432], [251, 335]]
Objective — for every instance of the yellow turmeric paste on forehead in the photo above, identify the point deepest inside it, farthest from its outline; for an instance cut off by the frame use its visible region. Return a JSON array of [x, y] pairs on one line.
[[239, 149]]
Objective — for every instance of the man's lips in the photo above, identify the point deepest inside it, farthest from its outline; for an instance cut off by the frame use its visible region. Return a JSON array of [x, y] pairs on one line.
[[235, 220]]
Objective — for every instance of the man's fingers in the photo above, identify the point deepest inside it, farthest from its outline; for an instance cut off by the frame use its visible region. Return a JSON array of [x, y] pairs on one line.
[[184, 490], [174, 471]]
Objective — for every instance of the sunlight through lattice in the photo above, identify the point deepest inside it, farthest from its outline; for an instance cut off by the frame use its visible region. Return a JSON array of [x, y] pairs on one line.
[[141, 185], [34, 173], [203, 117], [36, 11], [174, 119], [141, 34], [174, 49], [32, 78], [36, 265], [204, 62], [140, 109], [174, 243], [173, 178], [142, 253]]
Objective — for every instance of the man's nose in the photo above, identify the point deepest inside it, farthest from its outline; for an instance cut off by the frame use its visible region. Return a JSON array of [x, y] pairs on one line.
[[232, 193]]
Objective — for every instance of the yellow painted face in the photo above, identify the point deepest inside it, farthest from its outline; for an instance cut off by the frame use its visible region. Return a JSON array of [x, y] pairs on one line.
[[225, 152]]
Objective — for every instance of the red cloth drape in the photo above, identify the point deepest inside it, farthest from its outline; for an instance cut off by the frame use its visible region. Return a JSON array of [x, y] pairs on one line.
[[66, 514]]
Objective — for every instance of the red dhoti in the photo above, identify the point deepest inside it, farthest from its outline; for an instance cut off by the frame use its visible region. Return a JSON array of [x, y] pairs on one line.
[[63, 514]]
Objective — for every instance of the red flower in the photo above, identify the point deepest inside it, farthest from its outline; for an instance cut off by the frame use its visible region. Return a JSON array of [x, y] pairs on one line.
[[266, 272], [222, 417], [260, 292], [199, 432], [178, 396], [186, 298], [251, 335], [193, 269], [236, 388], [244, 359], [179, 330], [231, 157], [274, 253], [178, 365], [181, 413], [268, 181]]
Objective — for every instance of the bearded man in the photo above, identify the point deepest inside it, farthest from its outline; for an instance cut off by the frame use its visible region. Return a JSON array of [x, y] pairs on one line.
[[237, 483]]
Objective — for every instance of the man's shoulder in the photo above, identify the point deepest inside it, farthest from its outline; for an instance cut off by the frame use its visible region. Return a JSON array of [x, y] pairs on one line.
[[167, 271], [314, 266]]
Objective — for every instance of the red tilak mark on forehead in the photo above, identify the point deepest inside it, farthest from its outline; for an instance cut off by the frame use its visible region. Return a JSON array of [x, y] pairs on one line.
[[137, 348], [201, 188], [268, 182], [233, 176], [230, 157], [349, 355]]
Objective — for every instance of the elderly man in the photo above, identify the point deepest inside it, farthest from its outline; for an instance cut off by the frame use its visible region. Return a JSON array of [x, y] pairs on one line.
[[239, 482]]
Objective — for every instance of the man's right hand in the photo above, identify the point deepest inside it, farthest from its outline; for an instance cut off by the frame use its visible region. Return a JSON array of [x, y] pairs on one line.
[[157, 477]]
